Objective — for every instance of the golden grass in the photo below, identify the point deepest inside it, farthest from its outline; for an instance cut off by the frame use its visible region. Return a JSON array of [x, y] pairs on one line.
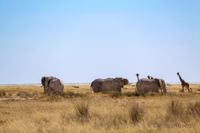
[[26, 109]]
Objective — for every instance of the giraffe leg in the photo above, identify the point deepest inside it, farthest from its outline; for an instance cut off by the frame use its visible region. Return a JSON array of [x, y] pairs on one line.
[[189, 89], [183, 88]]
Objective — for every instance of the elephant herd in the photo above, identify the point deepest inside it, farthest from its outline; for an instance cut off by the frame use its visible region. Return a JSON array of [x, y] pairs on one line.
[[53, 85]]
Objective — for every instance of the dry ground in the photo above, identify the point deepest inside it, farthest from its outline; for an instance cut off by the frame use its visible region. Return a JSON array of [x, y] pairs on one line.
[[25, 109]]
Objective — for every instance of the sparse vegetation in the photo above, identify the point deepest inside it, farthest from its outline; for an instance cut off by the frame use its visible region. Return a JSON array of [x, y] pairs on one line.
[[24, 94], [27, 109]]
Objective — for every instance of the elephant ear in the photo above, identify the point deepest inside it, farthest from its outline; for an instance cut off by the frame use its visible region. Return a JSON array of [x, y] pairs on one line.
[[126, 81], [51, 83], [54, 83], [43, 81], [159, 82]]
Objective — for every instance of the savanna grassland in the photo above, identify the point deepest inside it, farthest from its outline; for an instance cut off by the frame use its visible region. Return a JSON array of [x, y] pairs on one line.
[[25, 109]]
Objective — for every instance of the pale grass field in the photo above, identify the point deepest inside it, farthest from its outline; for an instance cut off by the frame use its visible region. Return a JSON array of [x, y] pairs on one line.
[[25, 109]]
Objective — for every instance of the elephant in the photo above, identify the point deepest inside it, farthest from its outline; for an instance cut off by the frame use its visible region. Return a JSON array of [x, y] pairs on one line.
[[108, 85], [96, 85], [52, 85], [151, 85]]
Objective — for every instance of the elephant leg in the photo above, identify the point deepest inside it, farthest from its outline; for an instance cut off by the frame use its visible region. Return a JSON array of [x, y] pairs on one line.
[[49, 91], [46, 90], [161, 90]]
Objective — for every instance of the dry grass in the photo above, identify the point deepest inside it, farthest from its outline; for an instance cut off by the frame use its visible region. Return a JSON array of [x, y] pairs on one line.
[[136, 113], [194, 110], [2, 93], [26, 109], [82, 111], [175, 109]]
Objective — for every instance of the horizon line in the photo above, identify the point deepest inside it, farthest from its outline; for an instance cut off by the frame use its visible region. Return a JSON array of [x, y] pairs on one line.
[[79, 83]]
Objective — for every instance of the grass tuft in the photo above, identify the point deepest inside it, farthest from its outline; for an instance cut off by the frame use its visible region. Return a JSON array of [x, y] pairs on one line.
[[2, 93], [82, 111], [176, 114], [136, 113]]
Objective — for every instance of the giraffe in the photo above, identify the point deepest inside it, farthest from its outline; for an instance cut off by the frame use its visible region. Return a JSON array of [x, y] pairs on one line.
[[184, 83], [138, 76]]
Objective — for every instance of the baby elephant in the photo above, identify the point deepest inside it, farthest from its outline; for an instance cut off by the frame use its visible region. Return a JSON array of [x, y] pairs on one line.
[[52, 85]]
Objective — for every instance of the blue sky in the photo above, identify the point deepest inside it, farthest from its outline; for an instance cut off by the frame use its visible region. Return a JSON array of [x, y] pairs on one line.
[[81, 40]]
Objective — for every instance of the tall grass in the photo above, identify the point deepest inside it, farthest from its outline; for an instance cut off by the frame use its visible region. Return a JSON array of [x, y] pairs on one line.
[[136, 113], [193, 110], [82, 111], [175, 109]]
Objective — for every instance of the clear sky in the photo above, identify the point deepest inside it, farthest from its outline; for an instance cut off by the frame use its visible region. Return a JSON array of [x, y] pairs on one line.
[[80, 40]]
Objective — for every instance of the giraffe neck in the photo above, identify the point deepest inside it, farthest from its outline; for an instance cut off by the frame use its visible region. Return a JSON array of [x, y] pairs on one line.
[[180, 79], [138, 78]]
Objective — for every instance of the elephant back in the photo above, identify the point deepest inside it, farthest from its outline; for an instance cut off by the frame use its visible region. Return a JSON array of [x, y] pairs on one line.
[[147, 86], [112, 85]]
